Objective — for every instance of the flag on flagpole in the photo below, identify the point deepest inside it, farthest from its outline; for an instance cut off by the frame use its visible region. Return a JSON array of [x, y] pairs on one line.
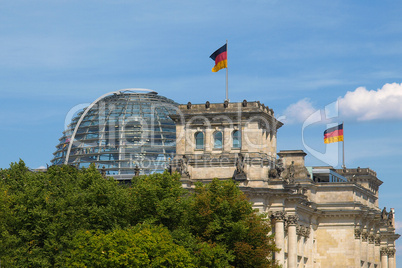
[[334, 134], [220, 57]]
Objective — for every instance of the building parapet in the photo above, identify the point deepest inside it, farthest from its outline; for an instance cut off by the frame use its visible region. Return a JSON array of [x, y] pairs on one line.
[[355, 171]]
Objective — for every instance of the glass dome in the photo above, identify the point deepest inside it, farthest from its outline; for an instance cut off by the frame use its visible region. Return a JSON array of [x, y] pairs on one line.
[[120, 132]]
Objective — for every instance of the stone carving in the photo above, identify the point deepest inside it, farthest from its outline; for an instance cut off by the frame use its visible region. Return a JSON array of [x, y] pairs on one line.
[[289, 174], [239, 173], [390, 218], [292, 219], [384, 214], [302, 230], [300, 189], [299, 229], [276, 172], [384, 251], [182, 167], [391, 252], [103, 172], [136, 171], [307, 234], [291, 170], [377, 240], [371, 239], [364, 236], [358, 233], [278, 216]]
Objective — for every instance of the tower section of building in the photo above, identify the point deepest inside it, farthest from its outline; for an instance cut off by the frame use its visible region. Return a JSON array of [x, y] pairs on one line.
[[226, 140]]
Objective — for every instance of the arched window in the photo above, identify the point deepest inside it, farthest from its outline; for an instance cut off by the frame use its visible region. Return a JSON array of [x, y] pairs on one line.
[[199, 140], [218, 140], [236, 139]]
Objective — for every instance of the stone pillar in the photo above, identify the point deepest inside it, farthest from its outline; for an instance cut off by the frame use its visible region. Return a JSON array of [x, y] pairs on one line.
[[358, 244], [364, 247], [278, 217], [292, 241], [391, 258], [384, 257], [377, 256], [371, 250]]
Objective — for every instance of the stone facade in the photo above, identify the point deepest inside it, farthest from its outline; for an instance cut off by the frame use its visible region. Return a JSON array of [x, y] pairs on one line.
[[321, 216]]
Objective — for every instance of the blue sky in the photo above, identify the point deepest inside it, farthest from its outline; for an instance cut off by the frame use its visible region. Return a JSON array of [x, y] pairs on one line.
[[297, 57]]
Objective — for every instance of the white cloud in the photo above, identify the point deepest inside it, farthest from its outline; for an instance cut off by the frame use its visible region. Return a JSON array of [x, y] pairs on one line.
[[299, 111], [383, 103]]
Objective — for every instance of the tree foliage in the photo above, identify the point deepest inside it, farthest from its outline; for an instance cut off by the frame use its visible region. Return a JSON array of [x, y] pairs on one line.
[[221, 214], [139, 246], [69, 217]]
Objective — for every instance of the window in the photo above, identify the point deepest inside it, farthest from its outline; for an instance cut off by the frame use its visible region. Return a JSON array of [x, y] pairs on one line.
[[218, 140], [199, 140], [236, 139]]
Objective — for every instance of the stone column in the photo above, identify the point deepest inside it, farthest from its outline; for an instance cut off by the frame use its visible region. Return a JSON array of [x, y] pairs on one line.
[[377, 255], [391, 258], [278, 217], [371, 251], [292, 241], [384, 257], [358, 254], [364, 246]]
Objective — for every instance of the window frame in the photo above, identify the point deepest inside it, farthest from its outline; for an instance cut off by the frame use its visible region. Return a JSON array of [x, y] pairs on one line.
[[238, 139], [215, 139], [202, 145]]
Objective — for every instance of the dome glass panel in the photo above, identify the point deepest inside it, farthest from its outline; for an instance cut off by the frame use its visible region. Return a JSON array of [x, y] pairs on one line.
[[121, 131]]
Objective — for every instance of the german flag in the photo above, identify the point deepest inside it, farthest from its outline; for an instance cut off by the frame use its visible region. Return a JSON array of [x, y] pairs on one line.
[[334, 134], [221, 58]]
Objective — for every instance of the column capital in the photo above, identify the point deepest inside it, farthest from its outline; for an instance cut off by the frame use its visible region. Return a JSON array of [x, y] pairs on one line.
[[302, 230], [299, 229], [358, 233], [391, 252], [278, 216], [384, 251], [364, 236], [292, 219], [371, 238], [377, 240]]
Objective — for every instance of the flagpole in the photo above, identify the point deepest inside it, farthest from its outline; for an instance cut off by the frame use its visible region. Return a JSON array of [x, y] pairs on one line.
[[343, 146], [227, 91]]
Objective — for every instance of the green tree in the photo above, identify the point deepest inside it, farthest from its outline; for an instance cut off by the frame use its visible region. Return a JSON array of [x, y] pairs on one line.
[[141, 246], [45, 210], [221, 214], [158, 199], [67, 217]]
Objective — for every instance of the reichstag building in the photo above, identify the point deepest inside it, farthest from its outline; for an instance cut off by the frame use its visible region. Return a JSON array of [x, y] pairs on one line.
[[321, 216]]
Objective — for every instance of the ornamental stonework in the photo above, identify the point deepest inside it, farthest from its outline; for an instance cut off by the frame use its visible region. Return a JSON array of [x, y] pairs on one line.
[[371, 239], [278, 216], [384, 251], [302, 231], [377, 240], [391, 252], [364, 236], [358, 233], [292, 219]]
